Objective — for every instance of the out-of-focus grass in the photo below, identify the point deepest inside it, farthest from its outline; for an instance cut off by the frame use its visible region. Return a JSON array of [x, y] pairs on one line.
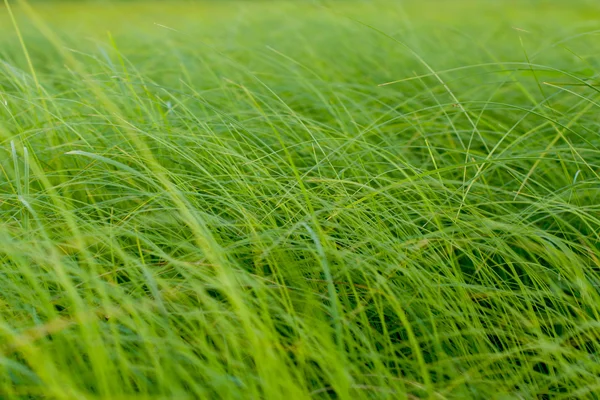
[[221, 200]]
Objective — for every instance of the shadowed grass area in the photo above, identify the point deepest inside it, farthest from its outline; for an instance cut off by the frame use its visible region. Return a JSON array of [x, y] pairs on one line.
[[266, 200]]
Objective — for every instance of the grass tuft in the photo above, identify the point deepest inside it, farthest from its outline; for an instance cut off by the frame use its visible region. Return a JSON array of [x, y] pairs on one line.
[[299, 200]]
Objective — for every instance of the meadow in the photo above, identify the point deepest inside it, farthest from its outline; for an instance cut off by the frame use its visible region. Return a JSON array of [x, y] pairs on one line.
[[300, 200]]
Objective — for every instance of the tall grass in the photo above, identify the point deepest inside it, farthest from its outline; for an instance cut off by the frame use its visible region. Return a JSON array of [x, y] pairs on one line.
[[226, 201]]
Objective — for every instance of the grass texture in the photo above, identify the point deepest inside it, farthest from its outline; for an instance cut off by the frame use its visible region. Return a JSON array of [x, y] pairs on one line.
[[292, 200]]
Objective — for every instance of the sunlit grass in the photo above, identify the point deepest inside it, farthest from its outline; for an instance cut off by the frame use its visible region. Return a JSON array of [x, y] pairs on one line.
[[277, 200]]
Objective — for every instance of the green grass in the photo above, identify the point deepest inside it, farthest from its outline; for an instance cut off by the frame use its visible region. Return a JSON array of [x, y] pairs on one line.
[[222, 200]]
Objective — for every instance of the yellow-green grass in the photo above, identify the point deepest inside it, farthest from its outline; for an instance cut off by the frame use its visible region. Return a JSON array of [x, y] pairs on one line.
[[267, 200]]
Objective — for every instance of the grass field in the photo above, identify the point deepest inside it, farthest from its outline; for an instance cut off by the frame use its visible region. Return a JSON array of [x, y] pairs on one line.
[[292, 200]]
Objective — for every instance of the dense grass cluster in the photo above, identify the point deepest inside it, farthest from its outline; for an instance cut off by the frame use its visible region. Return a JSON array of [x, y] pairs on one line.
[[224, 201]]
